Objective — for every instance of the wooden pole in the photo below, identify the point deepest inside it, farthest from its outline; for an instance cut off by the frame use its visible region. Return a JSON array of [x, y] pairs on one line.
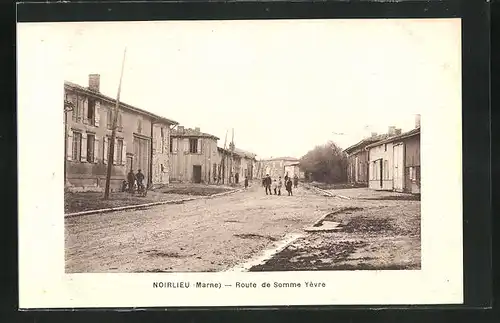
[[224, 159], [111, 152]]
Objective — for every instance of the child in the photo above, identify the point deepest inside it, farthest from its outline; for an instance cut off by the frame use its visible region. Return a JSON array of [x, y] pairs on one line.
[[275, 187], [246, 182]]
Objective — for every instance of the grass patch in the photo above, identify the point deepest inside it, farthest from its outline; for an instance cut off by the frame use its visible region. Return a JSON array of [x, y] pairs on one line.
[[196, 190]]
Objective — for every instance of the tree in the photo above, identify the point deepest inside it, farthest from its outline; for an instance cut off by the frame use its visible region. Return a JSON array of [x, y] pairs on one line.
[[325, 163]]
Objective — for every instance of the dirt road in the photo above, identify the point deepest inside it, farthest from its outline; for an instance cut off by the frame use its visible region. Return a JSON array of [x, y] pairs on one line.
[[203, 235]]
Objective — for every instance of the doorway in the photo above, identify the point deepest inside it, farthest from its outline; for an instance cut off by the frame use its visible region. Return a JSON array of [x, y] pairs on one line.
[[130, 163], [197, 174]]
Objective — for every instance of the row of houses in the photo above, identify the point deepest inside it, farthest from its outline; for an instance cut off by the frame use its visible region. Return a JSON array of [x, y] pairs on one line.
[[388, 161], [162, 149], [279, 166]]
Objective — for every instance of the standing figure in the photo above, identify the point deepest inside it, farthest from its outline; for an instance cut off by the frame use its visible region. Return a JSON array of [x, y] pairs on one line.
[[268, 184], [139, 177], [286, 178], [280, 184], [295, 181], [289, 187], [236, 178], [131, 180], [275, 187], [246, 182]]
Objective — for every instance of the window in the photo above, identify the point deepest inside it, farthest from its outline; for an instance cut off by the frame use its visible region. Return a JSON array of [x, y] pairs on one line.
[[77, 146], [119, 152], [90, 148], [386, 169], [171, 144], [193, 145], [110, 118], [91, 112]]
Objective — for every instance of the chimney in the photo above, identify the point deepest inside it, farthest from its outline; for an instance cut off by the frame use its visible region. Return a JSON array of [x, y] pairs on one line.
[[417, 121], [398, 131], [180, 129], [94, 81], [197, 129], [391, 131]]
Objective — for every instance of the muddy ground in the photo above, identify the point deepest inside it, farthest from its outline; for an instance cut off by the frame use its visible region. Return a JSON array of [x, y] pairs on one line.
[[379, 234]]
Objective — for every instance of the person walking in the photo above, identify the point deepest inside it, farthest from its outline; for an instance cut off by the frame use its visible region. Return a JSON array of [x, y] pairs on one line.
[[295, 181], [289, 187], [268, 184], [280, 185], [131, 180], [246, 182]]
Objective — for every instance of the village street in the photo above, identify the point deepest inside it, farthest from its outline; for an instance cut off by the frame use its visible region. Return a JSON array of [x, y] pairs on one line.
[[207, 234]]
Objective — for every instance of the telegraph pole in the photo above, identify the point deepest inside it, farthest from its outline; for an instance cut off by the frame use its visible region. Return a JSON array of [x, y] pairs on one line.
[[111, 151]]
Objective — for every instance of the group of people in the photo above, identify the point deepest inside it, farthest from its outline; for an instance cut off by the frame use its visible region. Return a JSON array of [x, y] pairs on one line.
[[276, 185], [133, 181]]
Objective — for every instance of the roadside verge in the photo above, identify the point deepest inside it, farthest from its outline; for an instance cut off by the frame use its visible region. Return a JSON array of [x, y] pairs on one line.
[[139, 206]]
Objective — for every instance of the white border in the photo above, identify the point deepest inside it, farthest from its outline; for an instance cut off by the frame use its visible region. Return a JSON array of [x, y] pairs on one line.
[[43, 283]]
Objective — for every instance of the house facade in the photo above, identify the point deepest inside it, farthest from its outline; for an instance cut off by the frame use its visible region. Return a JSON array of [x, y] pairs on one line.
[[228, 164], [193, 155], [395, 163], [275, 167], [88, 136], [358, 162]]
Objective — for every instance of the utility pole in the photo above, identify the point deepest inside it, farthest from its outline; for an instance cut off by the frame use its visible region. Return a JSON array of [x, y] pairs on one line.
[[224, 159], [111, 152], [231, 146]]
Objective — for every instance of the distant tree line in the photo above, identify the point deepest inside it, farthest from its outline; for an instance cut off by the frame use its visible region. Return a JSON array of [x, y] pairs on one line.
[[325, 163]]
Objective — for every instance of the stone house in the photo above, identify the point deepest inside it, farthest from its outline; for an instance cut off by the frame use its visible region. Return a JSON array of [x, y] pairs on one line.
[[358, 161], [141, 139], [229, 164], [193, 155], [275, 167], [395, 162]]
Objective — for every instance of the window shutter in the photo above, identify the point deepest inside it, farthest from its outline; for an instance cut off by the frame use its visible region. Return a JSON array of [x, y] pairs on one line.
[[79, 109], [198, 146], [115, 152], [85, 110], [69, 152], [186, 145], [105, 150], [174, 145], [97, 113], [96, 149], [124, 153], [83, 154]]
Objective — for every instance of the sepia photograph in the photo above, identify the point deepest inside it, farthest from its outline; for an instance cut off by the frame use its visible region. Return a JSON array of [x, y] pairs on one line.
[[277, 148]]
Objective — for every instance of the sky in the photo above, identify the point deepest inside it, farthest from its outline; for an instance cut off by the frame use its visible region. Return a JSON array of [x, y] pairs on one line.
[[283, 86]]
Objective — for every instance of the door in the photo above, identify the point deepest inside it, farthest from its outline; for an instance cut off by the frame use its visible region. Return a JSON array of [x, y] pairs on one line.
[[356, 169], [197, 173], [130, 163], [398, 168], [141, 157], [381, 174]]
